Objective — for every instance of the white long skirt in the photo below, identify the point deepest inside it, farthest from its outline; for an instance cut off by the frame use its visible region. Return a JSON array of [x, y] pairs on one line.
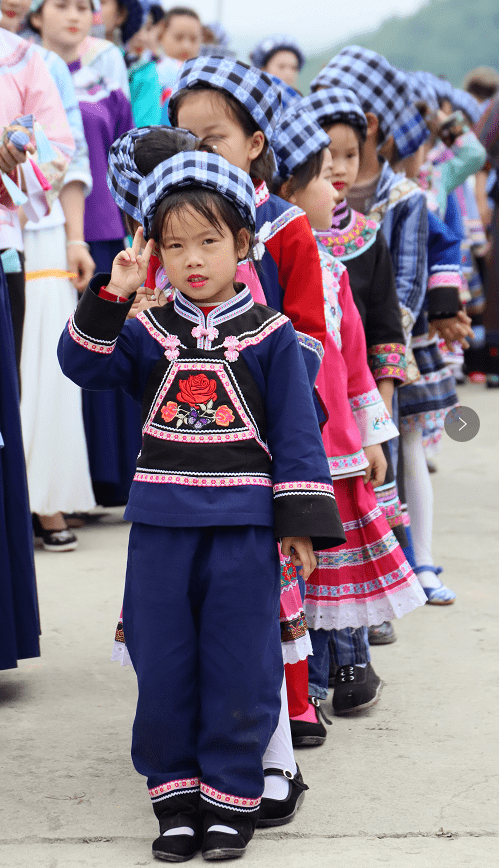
[[51, 412]]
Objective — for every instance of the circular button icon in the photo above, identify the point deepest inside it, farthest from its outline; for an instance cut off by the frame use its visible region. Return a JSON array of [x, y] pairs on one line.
[[462, 424]]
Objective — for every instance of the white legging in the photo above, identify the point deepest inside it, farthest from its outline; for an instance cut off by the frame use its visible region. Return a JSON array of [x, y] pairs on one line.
[[419, 494], [279, 753]]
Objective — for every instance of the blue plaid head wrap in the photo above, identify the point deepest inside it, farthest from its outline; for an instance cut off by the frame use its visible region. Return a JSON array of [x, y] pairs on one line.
[[270, 45], [249, 86], [335, 105], [197, 169], [467, 103], [37, 4], [380, 88], [411, 130], [423, 89], [297, 138], [219, 32], [123, 176], [289, 96]]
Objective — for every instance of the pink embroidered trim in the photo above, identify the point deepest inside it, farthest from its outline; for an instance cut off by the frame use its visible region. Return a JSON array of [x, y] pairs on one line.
[[261, 194], [171, 786], [207, 481], [250, 433], [365, 400], [89, 344], [168, 342], [445, 278], [303, 487], [238, 801], [256, 339]]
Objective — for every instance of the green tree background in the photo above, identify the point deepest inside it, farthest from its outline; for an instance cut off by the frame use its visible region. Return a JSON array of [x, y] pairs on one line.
[[447, 37]]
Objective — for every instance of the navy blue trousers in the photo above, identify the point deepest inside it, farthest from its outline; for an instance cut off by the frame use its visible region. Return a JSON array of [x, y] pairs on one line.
[[201, 623]]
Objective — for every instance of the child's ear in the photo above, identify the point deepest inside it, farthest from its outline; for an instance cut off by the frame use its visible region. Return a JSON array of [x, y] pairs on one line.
[[257, 145], [243, 244], [372, 125], [285, 192]]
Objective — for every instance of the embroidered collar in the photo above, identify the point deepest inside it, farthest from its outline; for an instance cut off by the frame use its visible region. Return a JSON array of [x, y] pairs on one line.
[[235, 306], [261, 193], [387, 180]]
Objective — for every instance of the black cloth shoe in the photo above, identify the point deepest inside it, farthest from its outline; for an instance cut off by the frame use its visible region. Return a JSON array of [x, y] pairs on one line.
[[224, 845], [305, 733], [383, 634], [59, 540], [355, 689], [278, 812], [180, 810]]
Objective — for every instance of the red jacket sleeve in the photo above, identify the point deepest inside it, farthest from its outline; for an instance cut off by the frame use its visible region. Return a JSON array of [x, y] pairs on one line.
[[294, 250]]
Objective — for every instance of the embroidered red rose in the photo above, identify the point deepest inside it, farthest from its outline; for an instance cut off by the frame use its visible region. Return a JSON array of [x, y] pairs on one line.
[[224, 416], [169, 411], [198, 389]]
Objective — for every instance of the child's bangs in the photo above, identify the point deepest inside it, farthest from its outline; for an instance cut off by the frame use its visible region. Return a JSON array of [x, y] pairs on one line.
[[208, 204]]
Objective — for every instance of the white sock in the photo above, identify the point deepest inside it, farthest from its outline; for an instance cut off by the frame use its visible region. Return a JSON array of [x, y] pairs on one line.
[[279, 753], [276, 787], [182, 830], [361, 665], [428, 579], [419, 494], [226, 829]]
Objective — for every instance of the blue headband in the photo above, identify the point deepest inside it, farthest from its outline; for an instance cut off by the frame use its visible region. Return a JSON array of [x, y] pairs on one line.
[[197, 169]]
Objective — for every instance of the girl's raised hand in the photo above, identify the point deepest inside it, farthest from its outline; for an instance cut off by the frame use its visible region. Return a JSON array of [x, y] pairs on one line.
[[130, 266]]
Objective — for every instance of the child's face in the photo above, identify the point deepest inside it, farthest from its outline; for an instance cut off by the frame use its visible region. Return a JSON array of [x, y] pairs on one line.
[[199, 260], [182, 37], [319, 198], [345, 154], [64, 24], [13, 14], [112, 16], [283, 64], [205, 114]]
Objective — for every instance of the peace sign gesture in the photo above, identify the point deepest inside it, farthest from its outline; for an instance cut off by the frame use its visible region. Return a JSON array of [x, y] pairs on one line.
[[130, 266]]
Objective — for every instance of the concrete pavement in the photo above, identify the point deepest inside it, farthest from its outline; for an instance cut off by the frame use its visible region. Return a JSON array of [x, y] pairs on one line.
[[412, 782]]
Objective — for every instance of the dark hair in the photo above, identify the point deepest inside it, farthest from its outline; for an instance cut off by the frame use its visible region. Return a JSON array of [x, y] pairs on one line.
[[211, 205], [302, 176], [482, 83], [263, 168], [157, 13], [160, 144], [180, 10]]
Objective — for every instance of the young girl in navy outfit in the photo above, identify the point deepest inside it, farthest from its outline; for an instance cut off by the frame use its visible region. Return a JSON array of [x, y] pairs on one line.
[[229, 436]]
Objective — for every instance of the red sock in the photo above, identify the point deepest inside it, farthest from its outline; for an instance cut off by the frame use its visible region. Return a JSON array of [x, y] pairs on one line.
[[297, 686]]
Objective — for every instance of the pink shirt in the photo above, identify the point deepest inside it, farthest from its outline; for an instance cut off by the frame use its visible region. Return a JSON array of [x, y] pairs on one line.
[[28, 88]]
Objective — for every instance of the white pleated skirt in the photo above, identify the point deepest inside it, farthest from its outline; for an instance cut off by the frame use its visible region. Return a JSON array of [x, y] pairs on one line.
[[51, 412]]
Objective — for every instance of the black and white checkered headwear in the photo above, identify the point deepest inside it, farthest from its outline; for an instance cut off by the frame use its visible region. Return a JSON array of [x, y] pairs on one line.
[[335, 105], [380, 88], [423, 89], [123, 176], [296, 138], [196, 169], [268, 46], [289, 96], [249, 86]]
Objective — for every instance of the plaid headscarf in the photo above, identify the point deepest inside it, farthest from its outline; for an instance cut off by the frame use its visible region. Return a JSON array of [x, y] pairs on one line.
[[335, 105], [467, 103], [380, 88], [423, 88], [261, 52], [249, 86], [36, 4], [123, 176], [297, 137], [197, 169], [289, 96]]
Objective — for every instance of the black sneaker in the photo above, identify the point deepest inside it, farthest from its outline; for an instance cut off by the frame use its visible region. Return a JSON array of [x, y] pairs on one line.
[[383, 634], [304, 733], [278, 812], [59, 540], [355, 689]]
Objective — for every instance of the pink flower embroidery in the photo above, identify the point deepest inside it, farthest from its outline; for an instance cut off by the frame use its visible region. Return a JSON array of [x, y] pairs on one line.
[[359, 242], [338, 250], [371, 224], [393, 357], [224, 416], [169, 411]]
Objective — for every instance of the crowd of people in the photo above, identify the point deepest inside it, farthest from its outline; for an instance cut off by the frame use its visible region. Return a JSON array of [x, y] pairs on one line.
[[268, 298]]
